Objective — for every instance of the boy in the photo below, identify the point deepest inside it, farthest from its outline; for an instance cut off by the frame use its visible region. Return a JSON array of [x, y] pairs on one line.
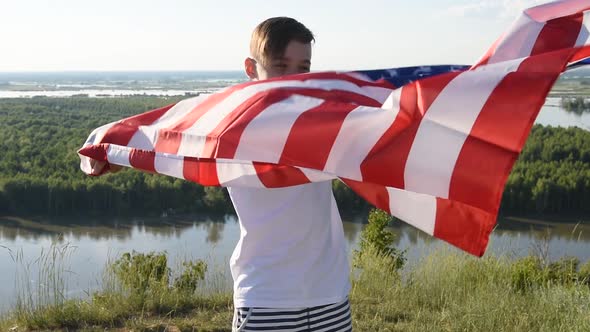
[[290, 266]]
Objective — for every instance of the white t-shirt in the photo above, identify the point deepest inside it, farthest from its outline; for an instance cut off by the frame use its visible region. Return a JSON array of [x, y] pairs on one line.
[[292, 251]]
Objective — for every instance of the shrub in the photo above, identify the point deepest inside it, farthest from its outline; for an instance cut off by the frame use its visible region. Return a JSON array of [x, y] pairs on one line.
[[139, 272], [584, 274], [377, 237], [563, 271], [193, 273], [527, 273]]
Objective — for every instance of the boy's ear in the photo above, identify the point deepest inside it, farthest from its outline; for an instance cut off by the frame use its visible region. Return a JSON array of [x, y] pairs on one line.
[[250, 68]]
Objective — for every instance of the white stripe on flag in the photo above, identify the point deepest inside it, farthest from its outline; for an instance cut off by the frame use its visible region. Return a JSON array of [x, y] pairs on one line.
[[555, 9], [168, 164], [418, 210], [94, 138], [519, 41], [146, 136], [584, 36], [359, 76], [316, 176], [446, 125], [360, 131], [118, 155], [377, 93], [276, 122], [237, 173], [98, 134], [193, 139]]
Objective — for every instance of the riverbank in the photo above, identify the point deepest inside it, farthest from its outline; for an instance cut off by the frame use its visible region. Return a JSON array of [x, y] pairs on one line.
[[443, 291], [52, 224], [544, 220]]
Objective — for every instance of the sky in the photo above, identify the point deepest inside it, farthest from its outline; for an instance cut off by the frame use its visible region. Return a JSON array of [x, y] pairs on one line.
[[160, 35]]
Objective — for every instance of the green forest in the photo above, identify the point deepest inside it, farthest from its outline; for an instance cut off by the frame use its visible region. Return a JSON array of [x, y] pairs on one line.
[[40, 174]]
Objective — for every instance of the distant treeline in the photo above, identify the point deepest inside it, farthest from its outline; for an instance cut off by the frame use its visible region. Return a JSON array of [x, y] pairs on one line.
[[40, 174], [577, 105]]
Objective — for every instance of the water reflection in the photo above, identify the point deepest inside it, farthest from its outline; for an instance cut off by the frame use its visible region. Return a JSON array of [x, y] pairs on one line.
[[351, 230], [14, 228], [538, 229], [553, 114], [214, 231]]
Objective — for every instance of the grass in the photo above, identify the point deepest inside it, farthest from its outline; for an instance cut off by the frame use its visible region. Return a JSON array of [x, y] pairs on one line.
[[444, 291], [456, 292]]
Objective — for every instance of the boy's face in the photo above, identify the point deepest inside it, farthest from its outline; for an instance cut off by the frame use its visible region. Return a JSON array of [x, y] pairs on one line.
[[295, 60]]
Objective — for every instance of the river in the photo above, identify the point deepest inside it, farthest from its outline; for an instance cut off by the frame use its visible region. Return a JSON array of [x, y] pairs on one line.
[[90, 244]]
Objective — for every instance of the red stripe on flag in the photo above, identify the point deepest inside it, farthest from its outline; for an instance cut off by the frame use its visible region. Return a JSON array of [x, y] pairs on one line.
[[169, 139], [322, 76], [308, 145], [122, 132], [330, 76], [581, 53], [276, 176], [144, 160], [558, 34], [224, 139], [552, 63], [340, 96], [463, 226], [480, 174], [95, 151], [486, 57], [386, 161], [202, 171], [500, 132], [372, 193]]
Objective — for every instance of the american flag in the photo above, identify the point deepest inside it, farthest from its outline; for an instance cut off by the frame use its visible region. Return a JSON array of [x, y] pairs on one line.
[[431, 145]]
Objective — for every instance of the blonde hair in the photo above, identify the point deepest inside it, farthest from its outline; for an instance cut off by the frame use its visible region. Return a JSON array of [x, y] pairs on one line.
[[271, 37]]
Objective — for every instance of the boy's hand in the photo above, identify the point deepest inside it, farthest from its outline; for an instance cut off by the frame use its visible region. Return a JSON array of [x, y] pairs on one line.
[[98, 166]]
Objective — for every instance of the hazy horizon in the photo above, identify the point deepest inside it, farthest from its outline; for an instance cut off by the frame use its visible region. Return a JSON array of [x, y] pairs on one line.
[[184, 35]]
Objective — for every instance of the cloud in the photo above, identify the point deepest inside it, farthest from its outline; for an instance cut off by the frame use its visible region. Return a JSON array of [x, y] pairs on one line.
[[492, 8]]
